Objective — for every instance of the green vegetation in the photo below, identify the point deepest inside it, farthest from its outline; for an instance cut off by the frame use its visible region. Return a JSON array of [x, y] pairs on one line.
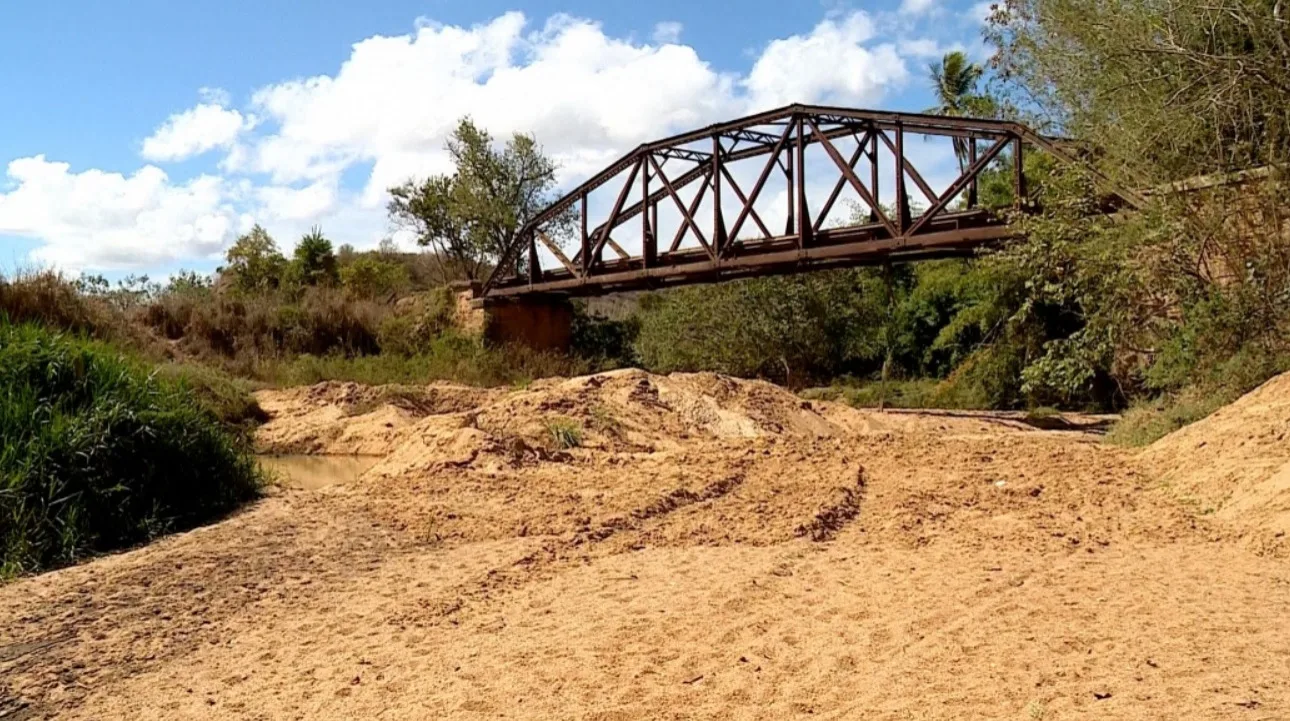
[[565, 433], [470, 216], [97, 453]]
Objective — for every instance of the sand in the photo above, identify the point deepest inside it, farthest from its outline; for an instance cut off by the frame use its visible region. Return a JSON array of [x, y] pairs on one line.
[[713, 549]]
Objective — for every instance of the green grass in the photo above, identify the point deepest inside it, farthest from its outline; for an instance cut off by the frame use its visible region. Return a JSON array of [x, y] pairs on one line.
[[98, 452], [565, 433], [899, 394], [1147, 421], [226, 396], [449, 357]]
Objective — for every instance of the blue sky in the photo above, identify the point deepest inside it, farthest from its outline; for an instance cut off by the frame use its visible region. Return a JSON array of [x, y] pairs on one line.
[[144, 136]]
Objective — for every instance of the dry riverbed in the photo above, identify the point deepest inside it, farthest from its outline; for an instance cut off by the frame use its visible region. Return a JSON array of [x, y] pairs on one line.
[[710, 548]]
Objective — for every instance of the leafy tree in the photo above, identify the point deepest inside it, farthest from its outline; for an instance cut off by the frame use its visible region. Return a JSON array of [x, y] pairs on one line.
[[313, 262], [369, 276], [189, 281], [470, 216], [254, 262], [954, 83], [1164, 91]]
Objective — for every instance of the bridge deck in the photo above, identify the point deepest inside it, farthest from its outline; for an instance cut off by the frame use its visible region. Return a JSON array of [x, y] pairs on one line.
[[952, 234]]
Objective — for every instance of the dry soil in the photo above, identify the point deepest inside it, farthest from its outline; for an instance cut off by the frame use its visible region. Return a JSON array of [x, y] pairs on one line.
[[710, 548]]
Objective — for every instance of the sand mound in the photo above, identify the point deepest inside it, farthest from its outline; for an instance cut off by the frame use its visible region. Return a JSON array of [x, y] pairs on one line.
[[352, 419], [684, 546], [1236, 462], [731, 461]]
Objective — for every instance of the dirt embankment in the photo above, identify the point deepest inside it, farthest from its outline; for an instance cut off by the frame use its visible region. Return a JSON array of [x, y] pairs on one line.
[[627, 546], [1235, 464]]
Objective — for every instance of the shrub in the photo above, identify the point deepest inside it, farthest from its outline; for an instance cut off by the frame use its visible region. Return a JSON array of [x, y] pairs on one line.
[[371, 277], [228, 398], [1146, 421], [450, 356], [97, 453], [417, 322], [565, 433], [47, 298], [245, 327]]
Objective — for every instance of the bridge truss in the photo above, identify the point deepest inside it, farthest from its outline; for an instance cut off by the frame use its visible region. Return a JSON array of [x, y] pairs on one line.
[[720, 233]]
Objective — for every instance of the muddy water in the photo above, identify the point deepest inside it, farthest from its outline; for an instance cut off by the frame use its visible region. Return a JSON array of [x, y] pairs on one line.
[[314, 472]]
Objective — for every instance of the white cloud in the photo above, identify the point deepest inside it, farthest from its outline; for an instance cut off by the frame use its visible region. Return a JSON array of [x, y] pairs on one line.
[[195, 131], [293, 154], [96, 219], [668, 31], [832, 64], [926, 48], [916, 7], [396, 99]]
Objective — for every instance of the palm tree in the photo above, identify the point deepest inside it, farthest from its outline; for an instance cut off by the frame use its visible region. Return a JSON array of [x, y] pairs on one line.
[[954, 80]]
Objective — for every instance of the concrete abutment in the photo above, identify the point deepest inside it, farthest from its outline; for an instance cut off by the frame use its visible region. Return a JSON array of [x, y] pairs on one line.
[[541, 322]]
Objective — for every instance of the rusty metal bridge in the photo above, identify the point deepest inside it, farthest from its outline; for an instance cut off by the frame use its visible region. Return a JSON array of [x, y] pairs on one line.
[[720, 231]]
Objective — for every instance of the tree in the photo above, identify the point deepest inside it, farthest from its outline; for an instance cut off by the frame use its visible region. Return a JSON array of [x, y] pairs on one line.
[[954, 79], [314, 263], [370, 276], [254, 262], [471, 216]]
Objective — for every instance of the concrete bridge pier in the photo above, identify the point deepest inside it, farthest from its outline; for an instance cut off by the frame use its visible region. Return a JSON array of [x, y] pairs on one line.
[[539, 321]]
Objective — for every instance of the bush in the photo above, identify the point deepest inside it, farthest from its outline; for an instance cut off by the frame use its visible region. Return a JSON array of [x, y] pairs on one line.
[[565, 433], [244, 327], [450, 356], [97, 453], [229, 399], [371, 276], [607, 342], [417, 322], [1147, 421], [49, 299]]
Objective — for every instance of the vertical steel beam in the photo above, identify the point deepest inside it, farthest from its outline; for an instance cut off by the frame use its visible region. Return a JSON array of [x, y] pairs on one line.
[[789, 222], [718, 224], [803, 229], [972, 185], [649, 244], [535, 269], [585, 252], [1018, 174], [902, 201], [653, 219], [873, 176]]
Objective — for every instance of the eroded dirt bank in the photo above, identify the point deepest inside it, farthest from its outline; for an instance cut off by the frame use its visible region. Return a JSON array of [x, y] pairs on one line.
[[712, 549]]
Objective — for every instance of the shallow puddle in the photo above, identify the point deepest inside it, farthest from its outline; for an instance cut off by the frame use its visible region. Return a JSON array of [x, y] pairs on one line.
[[314, 472]]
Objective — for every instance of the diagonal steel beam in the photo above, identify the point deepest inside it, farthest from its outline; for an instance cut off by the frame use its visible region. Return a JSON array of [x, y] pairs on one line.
[[958, 185], [851, 178], [860, 152], [559, 254], [694, 208], [686, 216], [761, 182], [909, 169], [613, 215], [739, 193]]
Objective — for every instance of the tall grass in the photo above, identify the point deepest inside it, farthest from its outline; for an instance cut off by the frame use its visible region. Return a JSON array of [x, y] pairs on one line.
[[450, 356], [98, 453]]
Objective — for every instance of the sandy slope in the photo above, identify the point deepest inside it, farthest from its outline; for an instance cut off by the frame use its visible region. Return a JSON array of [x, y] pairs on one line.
[[715, 549]]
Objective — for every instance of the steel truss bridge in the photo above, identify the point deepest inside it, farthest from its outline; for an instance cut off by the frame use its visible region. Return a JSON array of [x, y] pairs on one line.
[[719, 232]]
